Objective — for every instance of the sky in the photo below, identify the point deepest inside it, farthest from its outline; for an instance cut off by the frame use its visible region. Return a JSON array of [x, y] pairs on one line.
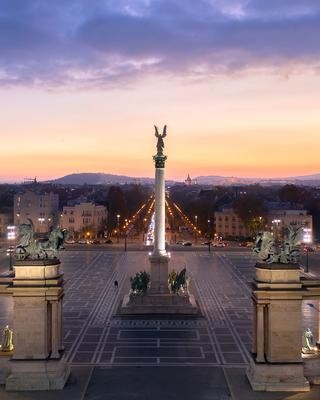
[[83, 82]]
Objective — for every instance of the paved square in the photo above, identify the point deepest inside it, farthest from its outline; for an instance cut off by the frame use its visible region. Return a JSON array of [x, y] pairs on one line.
[[109, 346]]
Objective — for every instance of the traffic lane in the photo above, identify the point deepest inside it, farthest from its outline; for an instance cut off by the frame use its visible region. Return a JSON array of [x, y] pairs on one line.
[[310, 262], [142, 247]]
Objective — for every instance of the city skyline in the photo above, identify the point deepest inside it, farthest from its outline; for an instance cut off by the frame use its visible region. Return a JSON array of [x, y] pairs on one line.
[[236, 82]]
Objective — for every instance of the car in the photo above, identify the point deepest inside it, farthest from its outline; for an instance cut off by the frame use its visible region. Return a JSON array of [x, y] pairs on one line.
[[70, 241], [179, 242], [219, 244], [95, 241], [108, 241], [206, 243], [82, 242], [186, 244], [308, 249], [243, 244]]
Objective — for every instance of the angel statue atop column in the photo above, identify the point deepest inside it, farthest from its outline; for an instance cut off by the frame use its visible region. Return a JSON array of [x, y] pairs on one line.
[[160, 143]]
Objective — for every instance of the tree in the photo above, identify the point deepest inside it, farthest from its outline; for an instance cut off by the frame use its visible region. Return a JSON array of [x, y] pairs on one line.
[[250, 209], [292, 194], [116, 205]]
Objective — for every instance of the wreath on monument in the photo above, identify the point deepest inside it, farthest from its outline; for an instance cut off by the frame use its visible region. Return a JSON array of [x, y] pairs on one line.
[[140, 282]]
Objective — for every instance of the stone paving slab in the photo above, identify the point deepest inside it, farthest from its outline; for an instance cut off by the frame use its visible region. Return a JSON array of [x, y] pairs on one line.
[[169, 383]]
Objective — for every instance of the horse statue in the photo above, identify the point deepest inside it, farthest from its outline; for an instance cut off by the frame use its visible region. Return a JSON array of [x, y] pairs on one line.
[[265, 247], [291, 250], [34, 249]]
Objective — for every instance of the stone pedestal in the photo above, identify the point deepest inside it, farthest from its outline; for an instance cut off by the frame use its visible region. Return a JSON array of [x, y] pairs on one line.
[[282, 377], [277, 329], [37, 324], [37, 375], [311, 369], [159, 304], [159, 274]]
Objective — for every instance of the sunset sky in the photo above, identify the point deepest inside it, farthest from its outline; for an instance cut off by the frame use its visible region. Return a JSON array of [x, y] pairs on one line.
[[83, 81]]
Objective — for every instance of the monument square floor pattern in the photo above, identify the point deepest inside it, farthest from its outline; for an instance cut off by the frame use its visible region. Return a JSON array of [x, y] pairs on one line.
[[94, 336]]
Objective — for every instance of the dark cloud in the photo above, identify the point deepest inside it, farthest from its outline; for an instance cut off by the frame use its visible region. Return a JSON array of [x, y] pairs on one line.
[[97, 43]]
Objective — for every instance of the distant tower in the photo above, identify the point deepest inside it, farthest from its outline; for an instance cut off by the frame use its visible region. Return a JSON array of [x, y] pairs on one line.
[[188, 181]]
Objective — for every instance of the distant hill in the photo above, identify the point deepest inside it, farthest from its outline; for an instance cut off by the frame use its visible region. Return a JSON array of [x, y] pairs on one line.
[[307, 180], [99, 178]]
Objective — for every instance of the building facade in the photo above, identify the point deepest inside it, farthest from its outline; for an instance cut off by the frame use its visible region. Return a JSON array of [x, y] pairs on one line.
[[84, 220], [5, 221], [228, 225], [40, 207]]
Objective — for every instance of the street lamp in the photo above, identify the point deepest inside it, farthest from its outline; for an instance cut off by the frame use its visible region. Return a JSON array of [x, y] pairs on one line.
[[118, 227], [209, 235], [11, 235], [196, 228]]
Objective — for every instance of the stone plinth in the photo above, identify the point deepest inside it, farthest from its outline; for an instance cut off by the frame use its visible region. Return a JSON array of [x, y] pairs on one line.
[[159, 304], [277, 377], [5, 366], [37, 291], [37, 375], [277, 329], [159, 273], [311, 369]]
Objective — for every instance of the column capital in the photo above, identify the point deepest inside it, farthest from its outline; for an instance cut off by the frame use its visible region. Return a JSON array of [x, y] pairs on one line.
[[159, 160]]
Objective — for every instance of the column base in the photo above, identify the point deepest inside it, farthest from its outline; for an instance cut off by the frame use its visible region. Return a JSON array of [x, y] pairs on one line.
[[277, 377], [159, 273], [37, 375]]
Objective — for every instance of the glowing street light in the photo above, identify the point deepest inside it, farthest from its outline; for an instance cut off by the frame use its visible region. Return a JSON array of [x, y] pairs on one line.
[[118, 227], [11, 236]]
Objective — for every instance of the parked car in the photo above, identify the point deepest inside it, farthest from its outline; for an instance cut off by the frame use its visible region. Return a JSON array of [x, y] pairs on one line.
[[70, 241], [206, 243], [108, 241], [308, 249], [243, 244], [82, 241], [179, 242], [219, 244], [186, 244]]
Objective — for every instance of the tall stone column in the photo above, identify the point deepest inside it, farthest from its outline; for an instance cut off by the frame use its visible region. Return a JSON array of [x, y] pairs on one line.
[[160, 225], [159, 258]]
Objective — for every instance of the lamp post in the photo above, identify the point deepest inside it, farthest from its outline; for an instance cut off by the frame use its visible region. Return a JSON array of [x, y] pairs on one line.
[[144, 228], [196, 228], [275, 228], [209, 235], [118, 227], [11, 235], [125, 235]]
